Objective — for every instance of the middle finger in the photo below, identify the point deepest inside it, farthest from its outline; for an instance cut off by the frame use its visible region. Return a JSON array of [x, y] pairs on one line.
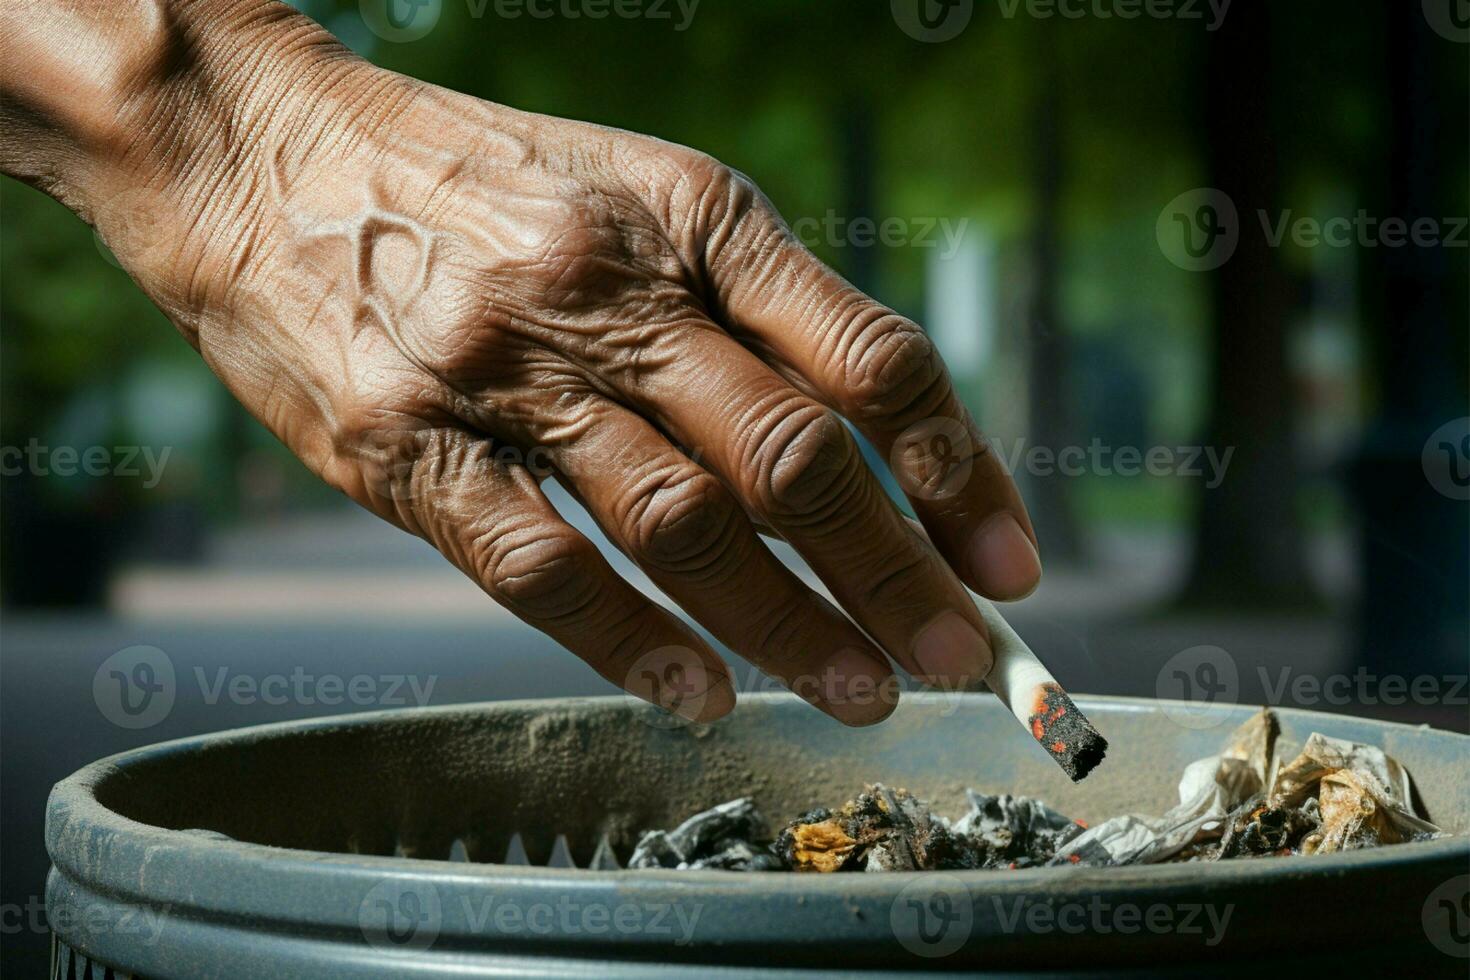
[[794, 465]]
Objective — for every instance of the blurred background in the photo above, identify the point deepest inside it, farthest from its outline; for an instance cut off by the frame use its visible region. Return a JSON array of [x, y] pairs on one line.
[[1201, 271]]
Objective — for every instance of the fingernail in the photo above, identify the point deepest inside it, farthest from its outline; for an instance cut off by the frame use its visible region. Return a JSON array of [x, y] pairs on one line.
[[1003, 561], [855, 688], [949, 649], [678, 680]]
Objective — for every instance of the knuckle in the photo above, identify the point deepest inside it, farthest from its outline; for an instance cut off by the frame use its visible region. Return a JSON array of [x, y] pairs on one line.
[[681, 524], [805, 464], [893, 372], [731, 214], [703, 170], [900, 586], [782, 634], [584, 260], [545, 576]]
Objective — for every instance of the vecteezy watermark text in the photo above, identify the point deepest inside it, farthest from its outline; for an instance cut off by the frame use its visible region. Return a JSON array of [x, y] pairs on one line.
[[838, 231], [1098, 458], [128, 462], [1362, 687], [1098, 916], [137, 687], [142, 923], [400, 914], [680, 13], [934, 916], [1200, 230], [400, 21], [1193, 681], [1210, 12]]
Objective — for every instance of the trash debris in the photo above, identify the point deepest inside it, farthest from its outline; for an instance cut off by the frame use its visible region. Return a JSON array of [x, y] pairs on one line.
[[1335, 795], [1241, 803], [725, 837], [1016, 831], [881, 830]]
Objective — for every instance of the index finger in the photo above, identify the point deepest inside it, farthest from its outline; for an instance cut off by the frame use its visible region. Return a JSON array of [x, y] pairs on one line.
[[882, 372]]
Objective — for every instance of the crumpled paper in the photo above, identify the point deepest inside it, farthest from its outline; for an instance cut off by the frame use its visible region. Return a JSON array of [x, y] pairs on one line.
[[1014, 831], [1335, 795], [726, 836], [1363, 795]]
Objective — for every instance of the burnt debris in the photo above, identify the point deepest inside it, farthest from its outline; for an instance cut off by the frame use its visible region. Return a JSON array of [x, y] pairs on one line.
[[731, 836], [1334, 795]]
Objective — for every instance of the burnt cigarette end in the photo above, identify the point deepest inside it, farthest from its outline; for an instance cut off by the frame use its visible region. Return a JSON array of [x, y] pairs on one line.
[[1066, 733]]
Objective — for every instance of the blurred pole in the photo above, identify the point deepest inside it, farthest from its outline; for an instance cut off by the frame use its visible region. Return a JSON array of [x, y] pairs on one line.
[[1414, 539], [959, 305], [1248, 540], [1048, 370]]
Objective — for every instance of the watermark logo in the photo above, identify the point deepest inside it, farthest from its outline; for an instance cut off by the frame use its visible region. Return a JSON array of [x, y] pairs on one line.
[[135, 687], [932, 916], [667, 687], [1446, 459], [1199, 230], [1446, 917], [133, 221], [933, 459], [1193, 681], [1450, 19], [396, 914], [400, 21], [386, 459], [933, 21]]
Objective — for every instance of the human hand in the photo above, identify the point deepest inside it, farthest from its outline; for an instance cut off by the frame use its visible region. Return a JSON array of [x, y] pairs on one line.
[[437, 302]]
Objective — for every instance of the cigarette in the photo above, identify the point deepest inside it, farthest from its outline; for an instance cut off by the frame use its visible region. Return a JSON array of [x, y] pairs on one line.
[[1038, 701]]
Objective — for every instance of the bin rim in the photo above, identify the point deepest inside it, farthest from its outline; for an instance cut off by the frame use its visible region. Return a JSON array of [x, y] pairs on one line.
[[205, 874]]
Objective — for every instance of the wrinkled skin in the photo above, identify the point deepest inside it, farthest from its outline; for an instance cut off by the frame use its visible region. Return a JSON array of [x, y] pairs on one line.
[[438, 303]]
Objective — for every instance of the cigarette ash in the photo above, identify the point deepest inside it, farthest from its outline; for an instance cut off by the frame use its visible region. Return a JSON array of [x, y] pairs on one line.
[[881, 829], [1065, 732], [731, 836], [1242, 803]]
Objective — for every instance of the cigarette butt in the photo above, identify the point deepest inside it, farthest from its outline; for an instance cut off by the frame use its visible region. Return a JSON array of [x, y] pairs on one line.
[[1038, 701]]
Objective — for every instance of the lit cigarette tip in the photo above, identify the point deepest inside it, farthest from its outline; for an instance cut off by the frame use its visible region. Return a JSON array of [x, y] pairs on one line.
[[1038, 702], [1064, 731]]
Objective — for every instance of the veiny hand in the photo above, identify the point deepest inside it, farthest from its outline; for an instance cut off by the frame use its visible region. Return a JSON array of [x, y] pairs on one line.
[[437, 302]]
